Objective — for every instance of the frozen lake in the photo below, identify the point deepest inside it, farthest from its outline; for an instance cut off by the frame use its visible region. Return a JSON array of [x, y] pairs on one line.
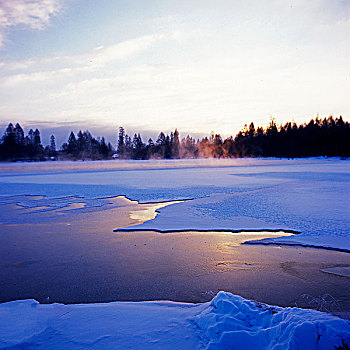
[[73, 256], [58, 219], [310, 196]]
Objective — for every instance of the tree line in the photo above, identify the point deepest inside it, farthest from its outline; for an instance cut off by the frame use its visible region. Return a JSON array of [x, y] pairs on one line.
[[326, 137], [14, 145]]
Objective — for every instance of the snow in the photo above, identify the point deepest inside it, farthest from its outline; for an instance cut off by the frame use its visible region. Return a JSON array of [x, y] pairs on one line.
[[227, 322], [237, 323], [338, 270], [310, 196]]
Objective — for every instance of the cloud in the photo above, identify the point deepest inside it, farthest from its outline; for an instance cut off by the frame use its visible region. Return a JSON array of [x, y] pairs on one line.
[[125, 49], [60, 67], [19, 79], [33, 14], [213, 69]]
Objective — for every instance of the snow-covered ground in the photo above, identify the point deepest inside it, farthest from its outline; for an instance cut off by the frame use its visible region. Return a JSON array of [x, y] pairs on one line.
[[227, 322], [310, 196]]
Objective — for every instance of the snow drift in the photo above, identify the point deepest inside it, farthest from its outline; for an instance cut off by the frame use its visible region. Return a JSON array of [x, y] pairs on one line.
[[232, 322], [227, 322]]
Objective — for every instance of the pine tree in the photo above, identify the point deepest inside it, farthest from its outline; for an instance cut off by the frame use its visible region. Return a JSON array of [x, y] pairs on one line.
[[121, 143], [52, 148], [72, 145], [9, 143], [175, 145], [19, 140], [103, 148]]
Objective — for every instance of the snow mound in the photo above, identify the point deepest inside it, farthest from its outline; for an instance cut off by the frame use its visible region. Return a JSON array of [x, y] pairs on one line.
[[233, 322], [227, 322]]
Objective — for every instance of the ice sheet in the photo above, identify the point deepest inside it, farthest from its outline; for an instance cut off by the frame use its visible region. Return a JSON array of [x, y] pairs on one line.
[[310, 196]]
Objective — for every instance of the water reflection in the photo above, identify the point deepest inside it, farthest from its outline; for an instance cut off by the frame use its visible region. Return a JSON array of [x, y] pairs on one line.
[[149, 211], [80, 249], [237, 238]]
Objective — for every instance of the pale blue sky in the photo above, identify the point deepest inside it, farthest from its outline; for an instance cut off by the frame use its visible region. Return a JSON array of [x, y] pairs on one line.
[[158, 65]]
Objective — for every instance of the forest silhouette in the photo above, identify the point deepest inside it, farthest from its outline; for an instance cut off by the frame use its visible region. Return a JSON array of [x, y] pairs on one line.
[[326, 137]]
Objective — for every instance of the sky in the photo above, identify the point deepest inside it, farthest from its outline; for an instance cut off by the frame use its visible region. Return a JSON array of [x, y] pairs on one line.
[[156, 65]]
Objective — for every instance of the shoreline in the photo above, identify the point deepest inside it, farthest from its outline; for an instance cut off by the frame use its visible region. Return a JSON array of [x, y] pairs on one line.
[[225, 320]]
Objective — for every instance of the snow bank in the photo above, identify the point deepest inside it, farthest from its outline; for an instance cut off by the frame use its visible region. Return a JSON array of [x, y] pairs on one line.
[[227, 322], [236, 323], [26, 324]]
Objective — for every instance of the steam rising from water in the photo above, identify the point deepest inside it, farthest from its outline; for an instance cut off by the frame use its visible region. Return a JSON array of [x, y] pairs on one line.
[[68, 166]]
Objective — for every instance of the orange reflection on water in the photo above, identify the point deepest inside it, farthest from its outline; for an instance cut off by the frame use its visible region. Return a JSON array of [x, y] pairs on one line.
[[148, 211], [237, 238]]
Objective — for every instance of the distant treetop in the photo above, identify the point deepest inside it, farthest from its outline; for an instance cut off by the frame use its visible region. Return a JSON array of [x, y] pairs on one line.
[[326, 137]]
